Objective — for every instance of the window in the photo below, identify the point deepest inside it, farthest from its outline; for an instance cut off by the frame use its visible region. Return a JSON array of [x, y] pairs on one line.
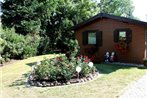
[[122, 35], [92, 38]]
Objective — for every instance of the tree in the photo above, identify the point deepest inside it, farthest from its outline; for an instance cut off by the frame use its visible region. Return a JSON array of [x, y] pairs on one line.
[[68, 13], [117, 7], [21, 14], [51, 18]]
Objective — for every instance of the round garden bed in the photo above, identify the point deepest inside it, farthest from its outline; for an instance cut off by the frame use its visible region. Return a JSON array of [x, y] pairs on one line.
[[62, 71]]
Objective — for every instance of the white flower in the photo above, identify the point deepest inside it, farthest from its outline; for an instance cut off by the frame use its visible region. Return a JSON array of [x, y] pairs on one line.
[[38, 63], [90, 64], [78, 69], [33, 67]]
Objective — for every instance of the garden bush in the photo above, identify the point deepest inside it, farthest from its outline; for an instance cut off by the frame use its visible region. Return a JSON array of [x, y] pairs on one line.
[[2, 45], [31, 44], [54, 69], [13, 44], [61, 68], [44, 46], [73, 47], [83, 61], [17, 46]]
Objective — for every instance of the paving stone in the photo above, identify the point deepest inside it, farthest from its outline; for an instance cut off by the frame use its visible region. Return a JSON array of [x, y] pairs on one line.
[[137, 89]]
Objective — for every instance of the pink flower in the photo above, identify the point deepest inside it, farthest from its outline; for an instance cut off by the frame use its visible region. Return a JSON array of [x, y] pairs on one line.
[[87, 60]]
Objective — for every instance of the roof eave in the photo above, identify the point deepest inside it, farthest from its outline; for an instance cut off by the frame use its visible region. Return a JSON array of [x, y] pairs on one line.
[[103, 15]]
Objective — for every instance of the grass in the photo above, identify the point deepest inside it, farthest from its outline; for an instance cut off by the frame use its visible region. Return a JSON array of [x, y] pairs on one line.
[[112, 82]]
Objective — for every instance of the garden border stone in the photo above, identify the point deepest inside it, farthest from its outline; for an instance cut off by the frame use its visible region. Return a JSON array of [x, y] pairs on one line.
[[58, 84]]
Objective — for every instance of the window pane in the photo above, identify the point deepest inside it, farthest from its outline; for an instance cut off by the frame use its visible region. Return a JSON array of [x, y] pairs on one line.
[[122, 35], [91, 38]]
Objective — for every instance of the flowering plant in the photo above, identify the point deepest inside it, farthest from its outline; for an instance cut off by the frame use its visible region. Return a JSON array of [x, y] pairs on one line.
[[84, 59], [86, 65], [90, 52], [121, 46]]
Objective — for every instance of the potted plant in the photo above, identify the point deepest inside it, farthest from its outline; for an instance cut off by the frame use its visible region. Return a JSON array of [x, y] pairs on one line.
[[145, 62]]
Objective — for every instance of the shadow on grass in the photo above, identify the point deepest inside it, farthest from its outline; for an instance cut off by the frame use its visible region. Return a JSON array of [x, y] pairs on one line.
[[31, 64], [109, 68], [21, 81]]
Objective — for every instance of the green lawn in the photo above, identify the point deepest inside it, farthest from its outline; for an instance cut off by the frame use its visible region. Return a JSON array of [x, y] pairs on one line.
[[112, 82]]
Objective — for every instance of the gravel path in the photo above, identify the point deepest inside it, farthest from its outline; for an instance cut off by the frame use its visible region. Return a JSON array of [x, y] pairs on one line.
[[137, 89]]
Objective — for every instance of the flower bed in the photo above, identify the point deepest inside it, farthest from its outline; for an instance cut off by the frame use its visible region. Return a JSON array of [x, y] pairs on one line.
[[62, 71]]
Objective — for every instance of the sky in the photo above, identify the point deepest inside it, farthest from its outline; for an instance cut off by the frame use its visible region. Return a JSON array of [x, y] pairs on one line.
[[140, 9]]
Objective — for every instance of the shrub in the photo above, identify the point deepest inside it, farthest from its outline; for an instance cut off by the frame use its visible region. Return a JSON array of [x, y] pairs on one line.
[[14, 44], [43, 46], [18, 46], [31, 45], [73, 47], [2, 45], [61, 69], [42, 71], [83, 62], [54, 69]]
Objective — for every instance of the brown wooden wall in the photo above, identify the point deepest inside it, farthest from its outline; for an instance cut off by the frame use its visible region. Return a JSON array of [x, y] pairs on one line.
[[107, 26]]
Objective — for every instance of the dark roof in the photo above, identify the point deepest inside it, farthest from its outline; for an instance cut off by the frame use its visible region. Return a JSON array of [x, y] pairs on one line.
[[104, 15]]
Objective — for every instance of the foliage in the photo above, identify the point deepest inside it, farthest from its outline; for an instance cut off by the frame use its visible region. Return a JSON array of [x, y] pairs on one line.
[[91, 53], [2, 45], [61, 69], [73, 47], [54, 69], [51, 18], [20, 15], [44, 47], [14, 44], [31, 44], [83, 62], [47, 23], [18, 46], [145, 59], [117, 7], [42, 71]]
